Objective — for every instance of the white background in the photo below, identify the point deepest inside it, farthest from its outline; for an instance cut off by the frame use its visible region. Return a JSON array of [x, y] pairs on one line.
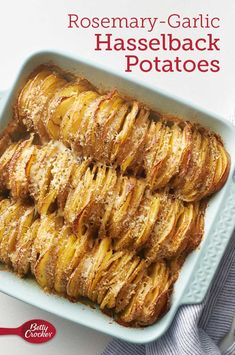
[[27, 26]]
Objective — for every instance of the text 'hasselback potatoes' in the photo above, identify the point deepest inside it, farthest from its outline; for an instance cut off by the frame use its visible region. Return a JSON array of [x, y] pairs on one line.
[[189, 160], [75, 266], [120, 207]]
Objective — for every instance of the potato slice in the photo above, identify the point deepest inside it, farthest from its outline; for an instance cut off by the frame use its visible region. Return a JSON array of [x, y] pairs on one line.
[[187, 142], [116, 280], [150, 298], [45, 267], [198, 226], [71, 251], [222, 169], [61, 170], [39, 108], [157, 299], [128, 152], [160, 155], [125, 219], [171, 163], [126, 128], [193, 165], [17, 170], [100, 274], [83, 275], [163, 229], [121, 205], [94, 138], [5, 160], [40, 171], [134, 308], [108, 126], [27, 95], [8, 231], [60, 104], [72, 121], [132, 284], [79, 198], [21, 256], [46, 236], [193, 186], [183, 230], [140, 228]]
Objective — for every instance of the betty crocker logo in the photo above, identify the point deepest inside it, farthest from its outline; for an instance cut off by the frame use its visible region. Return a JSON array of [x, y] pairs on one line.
[[34, 331]]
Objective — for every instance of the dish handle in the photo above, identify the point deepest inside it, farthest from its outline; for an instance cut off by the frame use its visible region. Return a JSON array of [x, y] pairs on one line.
[[207, 265]]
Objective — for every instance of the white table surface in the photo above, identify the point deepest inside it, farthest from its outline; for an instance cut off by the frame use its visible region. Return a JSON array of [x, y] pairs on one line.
[[27, 26]]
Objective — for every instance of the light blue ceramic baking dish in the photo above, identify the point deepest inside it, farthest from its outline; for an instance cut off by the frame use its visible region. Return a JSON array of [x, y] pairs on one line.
[[199, 268]]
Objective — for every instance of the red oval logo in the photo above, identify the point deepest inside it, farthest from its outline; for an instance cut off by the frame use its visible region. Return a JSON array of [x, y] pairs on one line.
[[37, 331]]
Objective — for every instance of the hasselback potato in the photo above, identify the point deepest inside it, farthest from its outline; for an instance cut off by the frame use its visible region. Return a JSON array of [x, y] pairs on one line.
[[120, 207], [75, 266], [190, 160]]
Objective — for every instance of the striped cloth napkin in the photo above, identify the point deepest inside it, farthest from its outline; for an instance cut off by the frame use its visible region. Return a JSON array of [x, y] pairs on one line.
[[196, 329]]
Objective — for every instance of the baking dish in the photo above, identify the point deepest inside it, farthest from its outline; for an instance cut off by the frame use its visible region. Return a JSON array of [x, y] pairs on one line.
[[200, 266]]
